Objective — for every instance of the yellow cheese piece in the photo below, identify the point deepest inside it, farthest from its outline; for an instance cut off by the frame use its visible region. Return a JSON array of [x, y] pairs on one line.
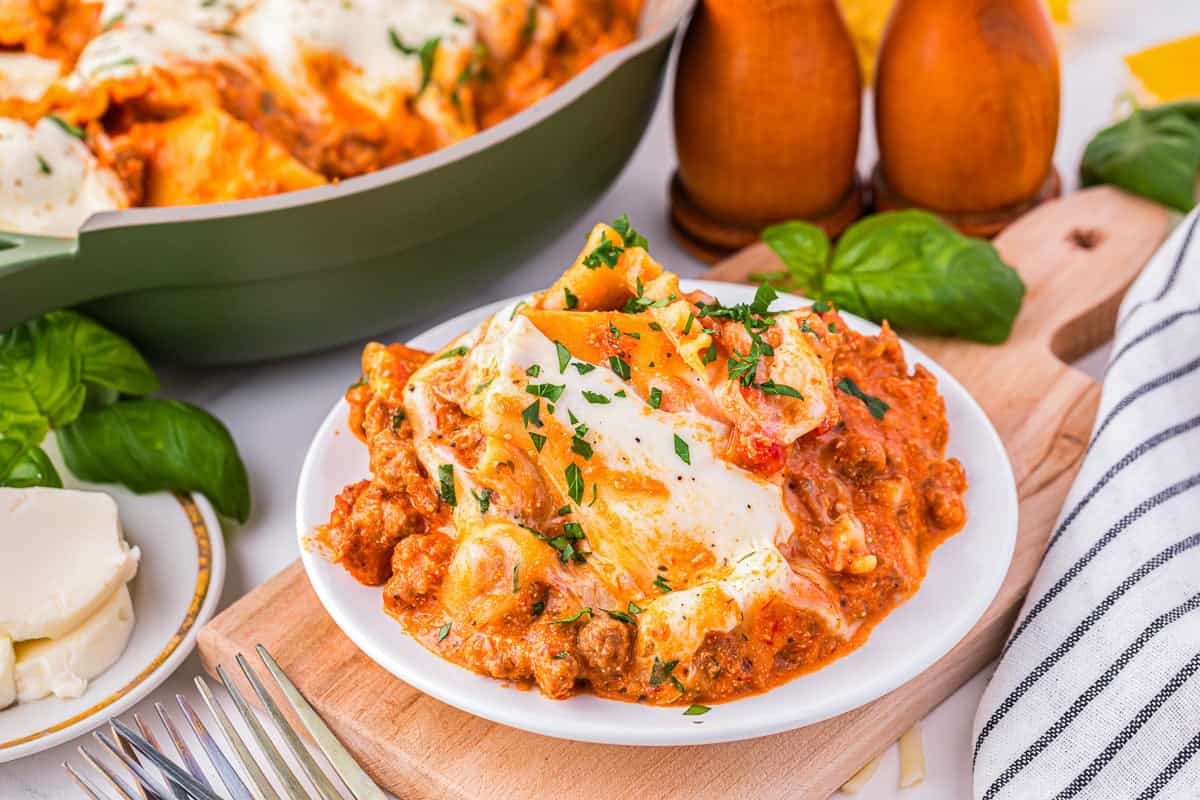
[[866, 20], [1168, 71], [1060, 11]]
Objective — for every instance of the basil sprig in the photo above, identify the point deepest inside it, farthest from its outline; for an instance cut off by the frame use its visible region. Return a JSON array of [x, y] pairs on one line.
[[1154, 152], [65, 372], [907, 267]]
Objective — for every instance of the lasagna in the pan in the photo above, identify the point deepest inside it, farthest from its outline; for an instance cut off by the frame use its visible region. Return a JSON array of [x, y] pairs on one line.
[[177, 102], [628, 489]]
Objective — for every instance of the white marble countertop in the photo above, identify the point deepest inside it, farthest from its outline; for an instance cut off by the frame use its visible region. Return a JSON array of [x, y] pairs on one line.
[[274, 408]]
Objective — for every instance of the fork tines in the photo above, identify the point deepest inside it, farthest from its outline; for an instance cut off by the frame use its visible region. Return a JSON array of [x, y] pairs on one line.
[[151, 774]]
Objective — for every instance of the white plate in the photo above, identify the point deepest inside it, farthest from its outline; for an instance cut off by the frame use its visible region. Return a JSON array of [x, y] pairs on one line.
[[175, 592], [964, 575]]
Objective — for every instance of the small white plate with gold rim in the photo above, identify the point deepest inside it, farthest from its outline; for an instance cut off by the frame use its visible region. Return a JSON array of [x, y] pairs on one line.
[[175, 592], [963, 577]]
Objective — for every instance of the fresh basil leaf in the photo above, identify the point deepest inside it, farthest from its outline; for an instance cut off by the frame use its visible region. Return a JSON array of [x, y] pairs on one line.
[[23, 465], [152, 445], [109, 360], [41, 382], [804, 250], [917, 272], [1153, 152]]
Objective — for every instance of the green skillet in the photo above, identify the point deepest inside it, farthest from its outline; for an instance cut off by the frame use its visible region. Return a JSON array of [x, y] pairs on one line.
[[291, 273]]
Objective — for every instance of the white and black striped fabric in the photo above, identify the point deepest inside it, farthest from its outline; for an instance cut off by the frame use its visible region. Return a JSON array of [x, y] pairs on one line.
[[1097, 693]]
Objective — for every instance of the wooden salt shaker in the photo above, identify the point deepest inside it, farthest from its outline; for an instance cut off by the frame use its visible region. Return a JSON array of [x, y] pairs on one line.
[[767, 111], [966, 110]]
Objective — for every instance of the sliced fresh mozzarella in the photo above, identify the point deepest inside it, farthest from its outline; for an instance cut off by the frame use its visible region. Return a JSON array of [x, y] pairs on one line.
[[63, 666], [63, 557]]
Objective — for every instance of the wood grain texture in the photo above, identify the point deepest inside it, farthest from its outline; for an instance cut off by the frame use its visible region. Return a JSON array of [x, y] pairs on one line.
[[1077, 256]]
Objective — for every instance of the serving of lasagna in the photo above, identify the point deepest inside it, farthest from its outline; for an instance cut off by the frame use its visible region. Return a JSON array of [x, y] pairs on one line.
[[106, 105], [623, 488]]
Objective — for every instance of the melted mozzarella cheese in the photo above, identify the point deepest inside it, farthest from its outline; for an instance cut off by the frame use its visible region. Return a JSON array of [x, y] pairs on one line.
[[26, 76], [380, 38], [713, 526], [204, 14], [49, 182], [132, 50]]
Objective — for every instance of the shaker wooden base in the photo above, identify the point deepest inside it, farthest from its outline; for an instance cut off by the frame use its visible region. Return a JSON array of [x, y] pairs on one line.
[[711, 239], [986, 224]]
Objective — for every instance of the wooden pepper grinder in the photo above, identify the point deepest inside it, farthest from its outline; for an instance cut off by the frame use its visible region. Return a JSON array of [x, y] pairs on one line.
[[966, 110], [767, 111]]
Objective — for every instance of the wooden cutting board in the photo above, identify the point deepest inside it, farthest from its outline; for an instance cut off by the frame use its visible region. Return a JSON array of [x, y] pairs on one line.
[[1077, 256]]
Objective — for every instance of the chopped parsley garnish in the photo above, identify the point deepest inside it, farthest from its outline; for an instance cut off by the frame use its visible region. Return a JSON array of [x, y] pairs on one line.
[[573, 617], [633, 334], [820, 306], [743, 558], [516, 308], [458, 19], [571, 416], [530, 27], [562, 512], [461, 350], [538, 608], [655, 397], [574, 477], [570, 300], [484, 499], [682, 450], [74, 130], [444, 631], [660, 672], [573, 530], [583, 368], [634, 608], [128, 61], [619, 366], [534, 371], [876, 406], [696, 710], [654, 326], [446, 484], [397, 418], [687, 326], [550, 391], [44, 165], [596, 397], [661, 584], [638, 304], [619, 393], [481, 387], [564, 356], [539, 441], [592, 502], [532, 414], [632, 238], [362, 381], [559, 656], [832, 328], [426, 53], [606, 253], [678, 684], [563, 543], [744, 367], [805, 329], [710, 355], [771, 387], [516, 578], [580, 446], [620, 616]]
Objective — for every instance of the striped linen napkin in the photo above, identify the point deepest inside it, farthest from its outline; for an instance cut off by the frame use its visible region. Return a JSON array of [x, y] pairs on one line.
[[1097, 693]]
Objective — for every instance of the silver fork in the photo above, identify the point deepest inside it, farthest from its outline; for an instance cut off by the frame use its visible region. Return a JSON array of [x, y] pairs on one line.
[[151, 774]]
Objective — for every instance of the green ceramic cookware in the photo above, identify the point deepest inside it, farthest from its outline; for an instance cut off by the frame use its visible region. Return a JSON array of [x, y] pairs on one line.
[[291, 273]]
